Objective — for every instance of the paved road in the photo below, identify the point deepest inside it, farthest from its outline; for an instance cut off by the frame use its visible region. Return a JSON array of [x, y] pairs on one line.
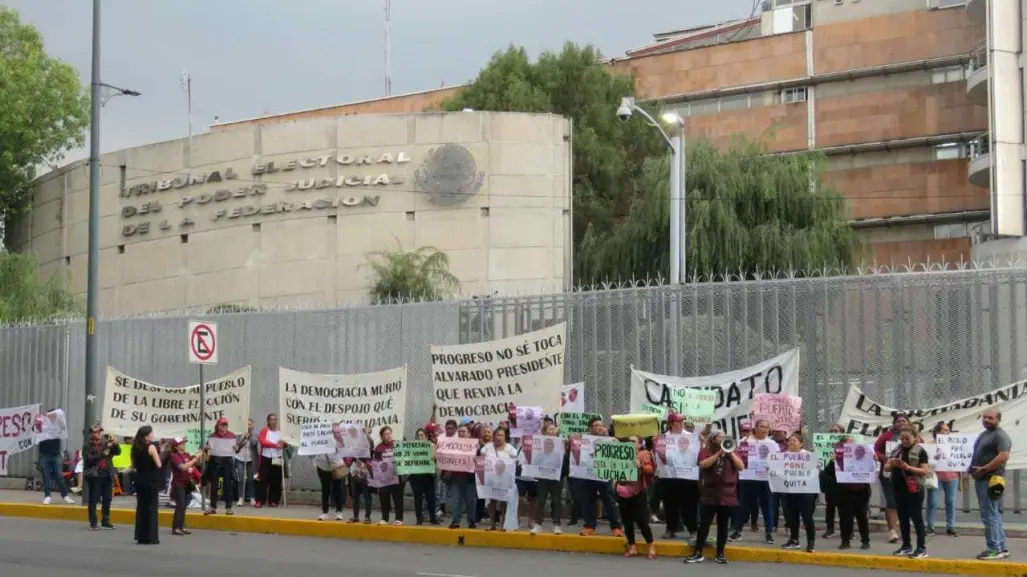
[[31, 548]]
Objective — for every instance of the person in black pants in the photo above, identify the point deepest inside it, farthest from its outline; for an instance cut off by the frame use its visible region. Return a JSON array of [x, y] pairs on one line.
[[632, 501], [718, 477], [680, 496], [181, 483], [390, 496], [799, 505], [423, 487], [908, 465], [829, 487], [853, 504], [331, 472], [98, 472], [146, 460]]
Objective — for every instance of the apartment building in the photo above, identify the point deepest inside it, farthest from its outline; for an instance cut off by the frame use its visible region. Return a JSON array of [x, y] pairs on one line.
[[884, 87]]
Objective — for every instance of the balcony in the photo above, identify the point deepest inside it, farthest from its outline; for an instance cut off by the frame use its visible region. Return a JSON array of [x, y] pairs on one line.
[[977, 10], [977, 75], [979, 169]]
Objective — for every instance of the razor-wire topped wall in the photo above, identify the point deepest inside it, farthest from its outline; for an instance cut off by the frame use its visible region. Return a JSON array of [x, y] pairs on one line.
[[907, 339]]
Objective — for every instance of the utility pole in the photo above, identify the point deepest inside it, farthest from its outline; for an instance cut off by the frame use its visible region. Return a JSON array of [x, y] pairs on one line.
[[187, 85], [388, 48]]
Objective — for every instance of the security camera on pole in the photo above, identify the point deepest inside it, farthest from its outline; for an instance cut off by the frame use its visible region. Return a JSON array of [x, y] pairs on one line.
[[203, 350]]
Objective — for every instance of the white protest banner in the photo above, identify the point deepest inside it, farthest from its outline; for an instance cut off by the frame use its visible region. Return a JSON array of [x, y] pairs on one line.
[[857, 464], [316, 439], [355, 443], [862, 415], [373, 400], [481, 380], [456, 454], [541, 457], [383, 474], [582, 452], [129, 403], [572, 398], [954, 453], [755, 454], [677, 456], [17, 428], [529, 422], [497, 479], [735, 389], [796, 472], [52, 425]]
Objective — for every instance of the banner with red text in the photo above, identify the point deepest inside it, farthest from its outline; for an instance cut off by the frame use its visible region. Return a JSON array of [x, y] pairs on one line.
[[17, 428]]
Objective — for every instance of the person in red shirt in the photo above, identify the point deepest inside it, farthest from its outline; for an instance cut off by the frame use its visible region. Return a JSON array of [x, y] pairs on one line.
[[880, 453], [183, 475], [718, 495]]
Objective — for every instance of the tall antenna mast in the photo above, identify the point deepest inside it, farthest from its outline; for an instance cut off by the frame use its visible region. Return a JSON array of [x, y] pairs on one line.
[[388, 48], [187, 86]]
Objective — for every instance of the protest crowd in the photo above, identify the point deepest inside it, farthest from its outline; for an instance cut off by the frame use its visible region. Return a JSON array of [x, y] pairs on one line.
[[695, 455]]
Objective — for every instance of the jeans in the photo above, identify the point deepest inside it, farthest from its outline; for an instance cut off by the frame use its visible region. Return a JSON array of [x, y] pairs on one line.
[[100, 492], [361, 492], [463, 497], [991, 517], [245, 487], [605, 492], [53, 470], [949, 489], [551, 489], [754, 495]]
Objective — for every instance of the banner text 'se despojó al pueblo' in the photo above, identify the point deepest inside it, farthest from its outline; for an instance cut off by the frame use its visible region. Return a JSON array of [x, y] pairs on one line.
[[481, 380], [371, 399], [129, 403]]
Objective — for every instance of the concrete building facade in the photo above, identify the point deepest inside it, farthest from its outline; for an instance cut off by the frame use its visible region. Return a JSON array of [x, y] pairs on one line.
[[289, 214], [880, 87]]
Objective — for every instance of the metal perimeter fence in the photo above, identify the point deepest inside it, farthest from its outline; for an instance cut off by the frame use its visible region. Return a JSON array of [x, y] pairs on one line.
[[911, 338]]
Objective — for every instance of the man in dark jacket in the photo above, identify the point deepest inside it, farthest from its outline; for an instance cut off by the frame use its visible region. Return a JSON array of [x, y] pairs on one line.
[[98, 472]]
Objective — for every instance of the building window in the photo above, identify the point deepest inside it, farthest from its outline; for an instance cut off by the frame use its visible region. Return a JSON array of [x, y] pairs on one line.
[[739, 102], [941, 4], [949, 151], [790, 95], [953, 230], [948, 74]]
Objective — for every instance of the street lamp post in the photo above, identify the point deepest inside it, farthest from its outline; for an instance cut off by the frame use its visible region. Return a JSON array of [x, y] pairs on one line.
[[678, 214], [97, 100]]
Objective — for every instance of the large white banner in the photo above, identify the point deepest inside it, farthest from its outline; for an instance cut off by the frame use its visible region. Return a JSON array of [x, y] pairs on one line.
[[863, 416], [373, 400], [17, 429], [735, 390], [481, 380], [129, 403]]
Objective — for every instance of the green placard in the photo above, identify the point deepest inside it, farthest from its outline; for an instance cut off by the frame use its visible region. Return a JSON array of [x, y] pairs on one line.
[[413, 458], [615, 461], [823, 444], [658, 410], [575, 423], [193, 441], [697, 406]]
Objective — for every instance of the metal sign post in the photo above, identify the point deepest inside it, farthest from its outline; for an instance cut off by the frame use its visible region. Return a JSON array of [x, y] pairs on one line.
[[203, 350]]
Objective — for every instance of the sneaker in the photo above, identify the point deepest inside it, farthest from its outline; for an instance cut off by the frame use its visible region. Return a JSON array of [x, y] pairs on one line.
[[557, 531], [694, 558], [865, 545], [654, 519], [951, 533], [893, 538], [322, 517], [670, 535], [239, 503], [397, 523], [720, 559], [736, 536], [454, 525], [367, 520], [810, 548], [769, 539], [828, 535], [990, 556], [46, 500], [76, 490], [1004, 553], [106, 525], [931, 532], [844, 545], [472, 525], [919, 554], [339, 517], [536, 529], [791, 544], [383, 522], [903, 551], [69, 500]]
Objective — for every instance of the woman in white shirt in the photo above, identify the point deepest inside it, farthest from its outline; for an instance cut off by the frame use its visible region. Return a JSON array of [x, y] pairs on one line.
[[499, 447], [270, 463], [331, 471]]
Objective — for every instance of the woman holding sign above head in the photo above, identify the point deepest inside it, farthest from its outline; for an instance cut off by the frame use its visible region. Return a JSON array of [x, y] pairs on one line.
[[631, 498], [718, 493], [270, 464], [908, 464]]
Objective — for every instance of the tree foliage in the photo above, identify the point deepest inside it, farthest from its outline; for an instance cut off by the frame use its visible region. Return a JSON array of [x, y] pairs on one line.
[[44, 109], [23, 298], [746, 210], [420, 274]]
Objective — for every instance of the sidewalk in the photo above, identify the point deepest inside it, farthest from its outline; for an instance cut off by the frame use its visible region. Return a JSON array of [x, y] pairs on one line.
[[948, 555]]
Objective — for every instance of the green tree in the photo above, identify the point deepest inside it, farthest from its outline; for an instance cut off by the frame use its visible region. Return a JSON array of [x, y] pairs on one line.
[[23, 298], [748, 211], [43, 109], [421, 274]]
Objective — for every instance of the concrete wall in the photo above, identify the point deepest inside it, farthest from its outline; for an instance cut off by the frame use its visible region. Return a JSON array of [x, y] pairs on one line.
[[187, 225]]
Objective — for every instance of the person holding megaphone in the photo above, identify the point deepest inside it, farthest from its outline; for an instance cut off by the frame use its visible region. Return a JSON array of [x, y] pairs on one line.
[[718, 493]]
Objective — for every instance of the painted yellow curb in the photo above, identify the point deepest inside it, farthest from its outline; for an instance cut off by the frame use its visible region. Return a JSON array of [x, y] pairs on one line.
[[519, 540]]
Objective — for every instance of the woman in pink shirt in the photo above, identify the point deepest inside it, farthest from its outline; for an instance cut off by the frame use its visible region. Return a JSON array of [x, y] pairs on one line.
[[948, 484]]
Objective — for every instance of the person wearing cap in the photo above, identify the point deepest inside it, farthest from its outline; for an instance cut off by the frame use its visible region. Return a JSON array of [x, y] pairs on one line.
[[987, 467], [182, 467], [222, 447], [680, 496], [99, 474], [754, 495]]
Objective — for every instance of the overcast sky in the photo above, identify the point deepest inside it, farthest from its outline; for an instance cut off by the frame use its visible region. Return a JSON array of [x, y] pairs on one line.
[[253, 57]]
